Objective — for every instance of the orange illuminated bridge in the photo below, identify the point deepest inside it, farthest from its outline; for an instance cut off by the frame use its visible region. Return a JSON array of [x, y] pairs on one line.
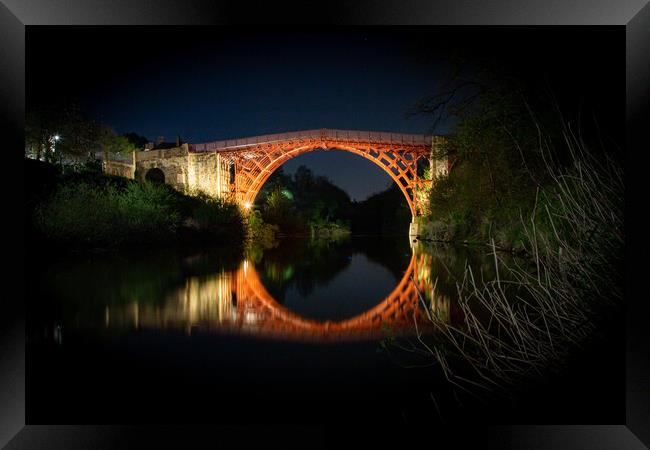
[[252, 160], [237, 169]]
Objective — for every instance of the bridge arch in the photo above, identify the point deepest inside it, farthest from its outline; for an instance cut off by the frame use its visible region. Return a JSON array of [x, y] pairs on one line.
[[398, 174], [255, 159], [155, 175]]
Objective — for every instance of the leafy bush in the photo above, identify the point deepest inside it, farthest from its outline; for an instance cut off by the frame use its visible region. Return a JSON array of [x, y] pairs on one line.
[[212, 214], [297, 203], [79, 206], [260, 231], [81, 213], [281, 211]]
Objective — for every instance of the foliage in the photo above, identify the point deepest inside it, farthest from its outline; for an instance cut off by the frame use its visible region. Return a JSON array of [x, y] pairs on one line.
[[523, 180], [298, 204], [329, 230], [92, 167], [82, 213], [63, 134], [574, 236], [136, 140], [260, 231], [498, 168], [423, 191], [89, 209], [385, 212], [280, 211], [111, 142], [209, 214]]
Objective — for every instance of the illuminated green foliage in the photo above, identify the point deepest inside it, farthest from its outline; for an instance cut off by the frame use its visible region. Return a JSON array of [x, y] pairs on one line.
[[91, 209], [303, 203]]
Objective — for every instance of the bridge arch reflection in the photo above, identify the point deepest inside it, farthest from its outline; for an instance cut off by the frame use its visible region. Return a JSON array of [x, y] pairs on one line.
[[237, 303]]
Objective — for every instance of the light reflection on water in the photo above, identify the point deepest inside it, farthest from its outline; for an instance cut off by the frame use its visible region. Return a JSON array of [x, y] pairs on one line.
[[311, 316], [237, 302], [359, 289]]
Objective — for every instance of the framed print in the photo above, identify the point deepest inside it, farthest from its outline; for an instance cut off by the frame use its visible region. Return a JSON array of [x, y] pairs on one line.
[[249, 223]]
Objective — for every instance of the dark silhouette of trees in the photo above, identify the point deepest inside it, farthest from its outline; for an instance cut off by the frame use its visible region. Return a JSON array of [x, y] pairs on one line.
[[61, 134], [136, 140], [297, 203], [507, 127], [385, 212]]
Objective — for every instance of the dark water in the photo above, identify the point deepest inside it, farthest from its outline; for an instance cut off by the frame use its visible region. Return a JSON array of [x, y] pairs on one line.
[[295, 333], [292, 333]]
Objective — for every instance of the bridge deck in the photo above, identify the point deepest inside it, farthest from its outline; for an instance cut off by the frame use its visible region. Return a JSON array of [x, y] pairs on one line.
[[352, 136]]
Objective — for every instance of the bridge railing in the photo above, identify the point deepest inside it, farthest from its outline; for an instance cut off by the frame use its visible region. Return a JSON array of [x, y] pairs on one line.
[[378, 137], [324, 133]]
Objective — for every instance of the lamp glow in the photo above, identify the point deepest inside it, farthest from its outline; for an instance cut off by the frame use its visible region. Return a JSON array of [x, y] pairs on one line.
[[247, 205]]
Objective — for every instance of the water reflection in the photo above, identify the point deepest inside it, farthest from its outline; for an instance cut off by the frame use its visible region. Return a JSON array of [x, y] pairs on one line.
[[237, 302], [187, 317], [351, 290]]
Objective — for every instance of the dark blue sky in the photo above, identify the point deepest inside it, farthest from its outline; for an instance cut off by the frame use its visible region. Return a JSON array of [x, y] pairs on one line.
[[241, 87]]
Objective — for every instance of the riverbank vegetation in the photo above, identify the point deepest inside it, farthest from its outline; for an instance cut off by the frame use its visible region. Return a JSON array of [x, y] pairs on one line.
[[304, 204], [81, 208], [310, 205], [529, 180], [509, 143], [554, 303], [383, 213]]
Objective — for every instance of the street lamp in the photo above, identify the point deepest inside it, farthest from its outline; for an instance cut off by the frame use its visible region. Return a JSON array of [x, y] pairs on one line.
[[54, 139]]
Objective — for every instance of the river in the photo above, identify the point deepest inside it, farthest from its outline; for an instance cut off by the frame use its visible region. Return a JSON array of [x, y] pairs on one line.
[[296, 333]]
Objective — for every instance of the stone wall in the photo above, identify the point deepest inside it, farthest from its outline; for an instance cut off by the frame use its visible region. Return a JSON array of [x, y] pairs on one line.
[[439, 166], [119, 168], [184, 171], [422, 228], [162, 154], [208, 173], [172, 162]]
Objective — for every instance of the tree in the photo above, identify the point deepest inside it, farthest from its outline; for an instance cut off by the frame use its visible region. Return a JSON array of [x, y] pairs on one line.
[[292, 203], [40, 129], [303, 178], [79, 137], [280, 211], [135, 139], [111, 142], [58, 134], [498, 161]]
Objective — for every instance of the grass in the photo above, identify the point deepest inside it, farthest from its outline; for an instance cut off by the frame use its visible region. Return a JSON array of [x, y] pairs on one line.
[[552, 305]]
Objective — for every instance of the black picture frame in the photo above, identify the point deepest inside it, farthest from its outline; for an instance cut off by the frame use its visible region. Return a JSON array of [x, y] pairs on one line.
[[633, 15]]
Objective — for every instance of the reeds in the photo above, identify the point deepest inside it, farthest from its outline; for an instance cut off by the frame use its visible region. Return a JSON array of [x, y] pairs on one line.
[[525, 320]]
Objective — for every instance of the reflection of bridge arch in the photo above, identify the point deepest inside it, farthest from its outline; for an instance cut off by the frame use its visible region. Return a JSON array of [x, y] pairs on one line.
[[255, 159], [238, 303], [258, 313], [396, 312]]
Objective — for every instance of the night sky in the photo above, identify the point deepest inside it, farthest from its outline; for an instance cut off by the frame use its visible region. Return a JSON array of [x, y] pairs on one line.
[[206, 84]]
